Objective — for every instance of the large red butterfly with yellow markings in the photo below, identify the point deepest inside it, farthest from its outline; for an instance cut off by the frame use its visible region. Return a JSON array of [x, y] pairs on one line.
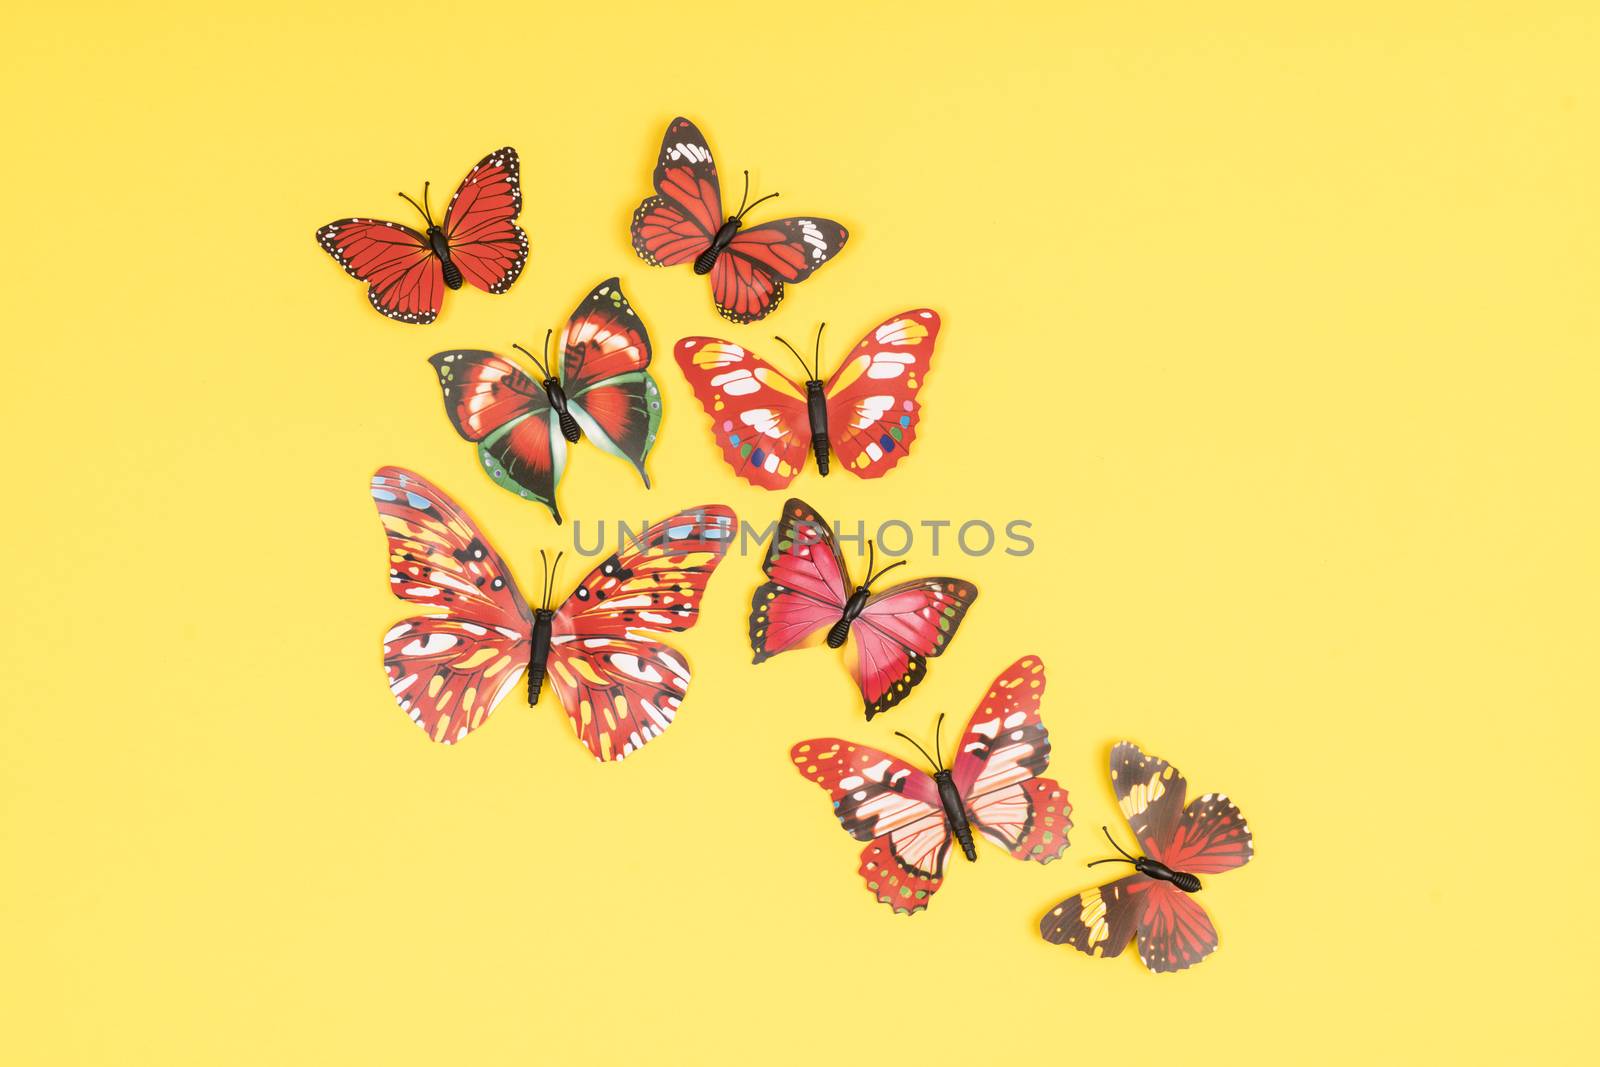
[[683, 223], [601, 389], [765, 422], [808, 595], [478, 241], [620, 685], [908, 818], [1155, 903]]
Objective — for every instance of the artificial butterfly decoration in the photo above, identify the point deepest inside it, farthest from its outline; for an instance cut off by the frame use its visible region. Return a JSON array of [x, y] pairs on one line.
[[892, 633], [618, 682], [1155, 903], [477, 241], [764, 420], [522, 425], [908, 818], [684, 223]]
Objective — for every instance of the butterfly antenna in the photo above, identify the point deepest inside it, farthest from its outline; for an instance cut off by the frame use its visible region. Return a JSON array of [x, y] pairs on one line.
[[871, 577], [931, 761], [752, 207], [797, 355], [537, 362], [938, 749], [816, 356], [744, 195], [555, 564], [547, 363], [427, 211], [544, 580], [420, 209], [1125, 857]]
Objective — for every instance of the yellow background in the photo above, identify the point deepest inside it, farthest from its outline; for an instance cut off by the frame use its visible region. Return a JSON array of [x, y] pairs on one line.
[[1279, 325]]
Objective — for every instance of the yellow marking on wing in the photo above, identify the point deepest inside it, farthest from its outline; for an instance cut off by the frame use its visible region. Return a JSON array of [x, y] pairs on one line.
[[1141, 796], [477, 659], [1092, 914]]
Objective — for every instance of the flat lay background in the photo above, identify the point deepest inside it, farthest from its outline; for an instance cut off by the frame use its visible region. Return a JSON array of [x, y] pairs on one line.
[[1279, 325]]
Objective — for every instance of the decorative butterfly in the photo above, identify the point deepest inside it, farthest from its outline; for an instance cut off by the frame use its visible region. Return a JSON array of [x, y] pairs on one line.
[[908, 818], [763, 420], [809, 592], [479, 242], [604, 390], [684, 222], [1180, 843], [619, 684]]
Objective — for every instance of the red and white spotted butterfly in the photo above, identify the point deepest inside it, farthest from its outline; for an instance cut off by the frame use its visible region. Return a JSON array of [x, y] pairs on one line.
[[478, 241], [1155, 904], [683, 223], [808, 594], [764, 421], [908, 818], [620, 685]]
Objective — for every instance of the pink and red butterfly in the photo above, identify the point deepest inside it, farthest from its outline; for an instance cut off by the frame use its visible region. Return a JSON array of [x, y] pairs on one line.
[[908, 818], [602, 389], [809, 595], [683, 223], [478, 241], [1154, 904], [620, 685], [764, 421]]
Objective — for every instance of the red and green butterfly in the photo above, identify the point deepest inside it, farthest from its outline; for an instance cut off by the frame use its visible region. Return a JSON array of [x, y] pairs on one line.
[[522, 425]]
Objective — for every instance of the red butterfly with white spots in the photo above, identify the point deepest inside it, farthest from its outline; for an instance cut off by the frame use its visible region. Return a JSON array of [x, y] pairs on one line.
[[683, 223], [478, 241], [1155, 903], [908, 818], [764, 421], [808, 594], [620, 685]]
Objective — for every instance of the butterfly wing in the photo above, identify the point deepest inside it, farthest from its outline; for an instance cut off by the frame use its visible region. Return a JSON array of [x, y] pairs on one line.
[[747, 280], [405, 280], [890, 805], [497, 407], [480, 224], [806, 588], [620, 686], [998, 768], [1100, 921], [872, 397], [758, 415], [899, 630], [447, 670], [677, 224], [606, 353]]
